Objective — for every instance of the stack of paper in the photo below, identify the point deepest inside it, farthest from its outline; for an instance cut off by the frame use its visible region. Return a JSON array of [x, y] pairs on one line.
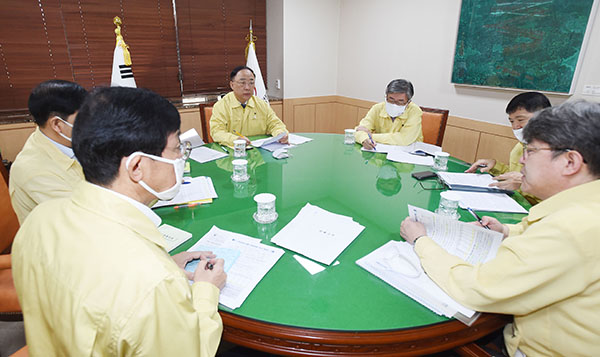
[[252, 264], [469, 182], [193, 189], [193, 137], [318, 234], [204, 154], [487, 201], [272, 144], [397, 264]]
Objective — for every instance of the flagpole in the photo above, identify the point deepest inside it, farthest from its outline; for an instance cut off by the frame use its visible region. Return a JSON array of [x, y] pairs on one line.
[[250, 38]]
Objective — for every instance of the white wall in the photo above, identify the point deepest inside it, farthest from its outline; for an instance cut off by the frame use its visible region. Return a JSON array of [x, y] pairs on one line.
[[310, 47], [354, 48], [385, 39], [274, 47]]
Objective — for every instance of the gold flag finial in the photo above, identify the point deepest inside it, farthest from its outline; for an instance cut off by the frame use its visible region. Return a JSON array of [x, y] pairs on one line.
[[120, 41], [250, 38]]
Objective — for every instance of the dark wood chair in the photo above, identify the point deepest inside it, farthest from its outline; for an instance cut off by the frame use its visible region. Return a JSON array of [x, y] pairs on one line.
[[205, 114], [434, 125], [9, 224]]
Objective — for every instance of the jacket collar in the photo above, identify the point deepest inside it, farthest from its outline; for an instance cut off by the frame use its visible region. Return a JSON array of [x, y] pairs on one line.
[[565, 199]]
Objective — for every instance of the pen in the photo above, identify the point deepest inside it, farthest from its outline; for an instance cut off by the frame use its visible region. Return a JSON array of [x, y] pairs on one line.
[[371, 138], [208, 266], [477, 217], [189, 205], [224, 148], [240, 135]]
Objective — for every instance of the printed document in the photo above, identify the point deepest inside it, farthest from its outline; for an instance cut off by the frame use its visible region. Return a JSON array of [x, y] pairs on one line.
[[402, 156], [295, 139], [489, 201], [469, 182], [174, 236], [193, 137], [193, 189], [272, 144], [318, 234], [420, 148], [252, 264], [204, 154], [266, 141]]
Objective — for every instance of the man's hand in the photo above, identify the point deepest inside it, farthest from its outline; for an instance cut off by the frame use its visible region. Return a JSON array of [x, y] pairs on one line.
[[245, 139], [484, 165], [215, 276], [411, 230], [368, 144], [508, 181], [181, 259], [493, 224], [285, 139]]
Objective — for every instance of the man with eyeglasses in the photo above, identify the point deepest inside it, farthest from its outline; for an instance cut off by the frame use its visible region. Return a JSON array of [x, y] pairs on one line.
[[520, 109], [46, 167], [547, 270], [241, 114], [91, 271], [395, 121]]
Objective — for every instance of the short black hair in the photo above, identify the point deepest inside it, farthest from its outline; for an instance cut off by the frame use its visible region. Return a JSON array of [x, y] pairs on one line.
[[530, 101], [55, 98], [115, 122], [239, 68], [571, 125]]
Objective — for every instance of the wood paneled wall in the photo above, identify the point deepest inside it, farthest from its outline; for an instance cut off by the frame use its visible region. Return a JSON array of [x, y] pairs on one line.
[[465, 139]]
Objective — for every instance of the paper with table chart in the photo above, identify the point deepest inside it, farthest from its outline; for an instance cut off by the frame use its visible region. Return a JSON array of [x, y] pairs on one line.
[[471, 243], [204, 154], [193, 189], [318, 234], [253, 263], [488, 201], [229, 256], [397, 264]]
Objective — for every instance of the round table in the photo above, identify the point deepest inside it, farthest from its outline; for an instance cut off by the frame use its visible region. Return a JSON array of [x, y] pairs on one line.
[[343, 309]]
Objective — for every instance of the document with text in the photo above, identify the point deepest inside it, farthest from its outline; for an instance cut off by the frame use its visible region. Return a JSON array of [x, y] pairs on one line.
[[489, 201], [253, 263], [469, 182], [318, 234], [193, 189], [204, 154]]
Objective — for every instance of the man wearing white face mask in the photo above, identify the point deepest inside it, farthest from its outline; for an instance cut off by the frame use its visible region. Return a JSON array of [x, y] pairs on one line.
[[520, 109], [46, 168], [396, 121], [91, 271]]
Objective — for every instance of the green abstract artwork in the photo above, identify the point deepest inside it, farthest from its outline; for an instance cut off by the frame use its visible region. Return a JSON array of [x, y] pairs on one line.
[[531, 45]]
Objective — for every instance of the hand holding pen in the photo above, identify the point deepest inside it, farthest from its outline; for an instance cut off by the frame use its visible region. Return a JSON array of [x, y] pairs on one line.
[[242, 137], [476, 216], [484, 165]]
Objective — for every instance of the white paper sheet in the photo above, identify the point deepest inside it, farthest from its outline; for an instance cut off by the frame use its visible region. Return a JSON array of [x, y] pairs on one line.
[[194, 189], [309, 265], [295, 139], [397, 264], [267, 141], [253, 263], [401, 156], [466, 179], [382, 148], [193, 137], [488, 201], [204, 154], [420, 146], [318, 234], [174, 236], [469, 242]]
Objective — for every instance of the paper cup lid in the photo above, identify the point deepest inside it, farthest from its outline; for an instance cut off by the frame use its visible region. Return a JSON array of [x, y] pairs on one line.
[[240, 162], [264, 197]]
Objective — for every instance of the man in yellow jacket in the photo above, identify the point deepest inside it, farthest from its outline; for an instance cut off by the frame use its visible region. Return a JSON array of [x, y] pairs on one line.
[[546, 271], [46, 166], [240, 113], [520, 109], [91, 271], [395, 121]]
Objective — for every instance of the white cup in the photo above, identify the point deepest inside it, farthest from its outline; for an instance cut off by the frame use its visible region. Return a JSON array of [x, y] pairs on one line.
[[448, 205], [239, 148], [349, 136], [265, 208], [440, 161], [240, 170]]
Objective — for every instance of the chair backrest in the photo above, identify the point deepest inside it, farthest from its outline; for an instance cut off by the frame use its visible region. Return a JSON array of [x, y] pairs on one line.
[[9, 224], [205, 114], [434, 125]]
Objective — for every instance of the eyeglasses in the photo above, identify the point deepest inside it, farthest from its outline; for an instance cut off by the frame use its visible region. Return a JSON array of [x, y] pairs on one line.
[[186, 149], [245, 83], [397, 102], [527, 150]]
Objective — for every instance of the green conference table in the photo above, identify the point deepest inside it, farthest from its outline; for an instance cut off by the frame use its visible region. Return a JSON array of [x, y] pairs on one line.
[[344, 309]]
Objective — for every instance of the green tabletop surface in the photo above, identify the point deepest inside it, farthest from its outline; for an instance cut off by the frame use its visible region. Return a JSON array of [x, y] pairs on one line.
[[341, 179]]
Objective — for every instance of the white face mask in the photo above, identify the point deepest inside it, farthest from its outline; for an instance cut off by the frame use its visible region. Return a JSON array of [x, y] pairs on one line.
[[69, 124], [394, 110], [519, 134], [178, 168]]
